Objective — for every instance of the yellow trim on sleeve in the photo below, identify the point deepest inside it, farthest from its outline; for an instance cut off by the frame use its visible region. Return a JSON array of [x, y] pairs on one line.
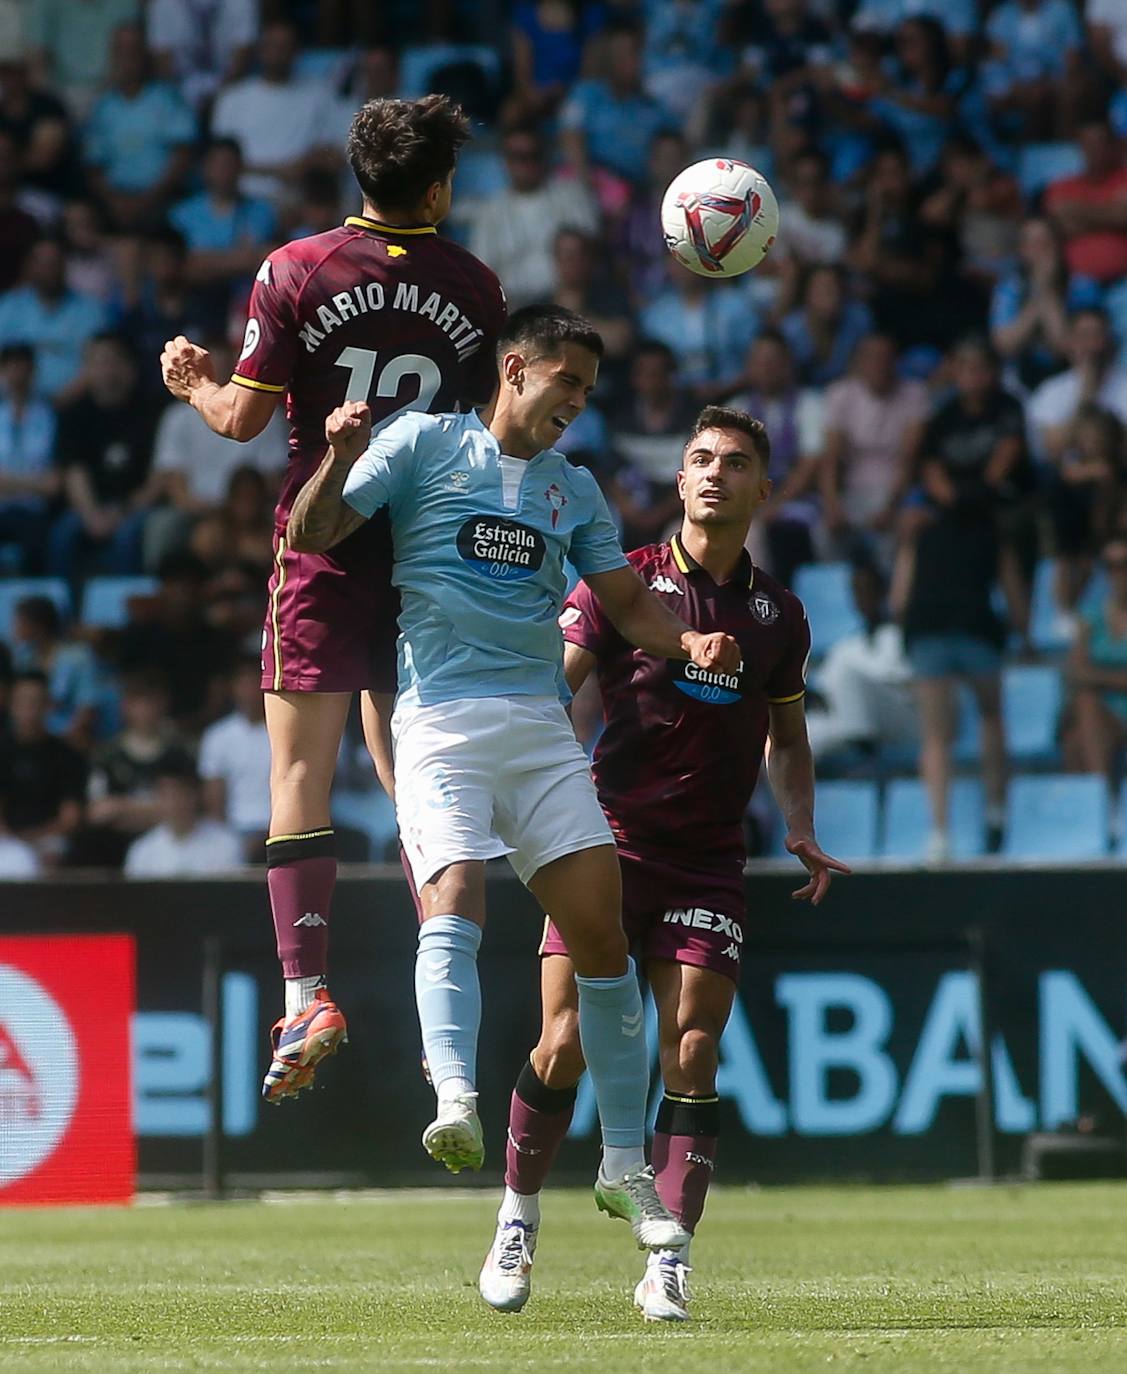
[[362, 222], [254, 385], [275, 598], [785, 701], [304, 835], [678, 556]]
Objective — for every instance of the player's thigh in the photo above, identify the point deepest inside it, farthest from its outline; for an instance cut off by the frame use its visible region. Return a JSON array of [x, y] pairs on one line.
[[693, 1006], [305, 730], [583, 893], [456, 890], [558, 1056]]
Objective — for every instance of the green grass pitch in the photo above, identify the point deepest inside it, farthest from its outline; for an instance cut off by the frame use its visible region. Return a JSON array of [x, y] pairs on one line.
[[888, 1281]]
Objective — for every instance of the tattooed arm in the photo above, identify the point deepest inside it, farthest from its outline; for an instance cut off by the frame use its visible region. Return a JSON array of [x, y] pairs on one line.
[[320, 518]]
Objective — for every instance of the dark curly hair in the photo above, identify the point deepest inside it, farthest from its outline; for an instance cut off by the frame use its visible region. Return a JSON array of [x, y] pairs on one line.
[[398, 149]]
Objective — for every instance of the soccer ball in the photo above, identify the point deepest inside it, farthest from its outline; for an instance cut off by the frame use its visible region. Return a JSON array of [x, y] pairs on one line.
[[719, 217]]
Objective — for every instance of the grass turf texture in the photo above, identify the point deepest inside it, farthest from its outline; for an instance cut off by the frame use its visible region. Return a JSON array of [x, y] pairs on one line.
[[894, 1279]]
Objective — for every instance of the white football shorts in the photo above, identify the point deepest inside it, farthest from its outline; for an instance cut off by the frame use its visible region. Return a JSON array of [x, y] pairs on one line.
[[476, 779]]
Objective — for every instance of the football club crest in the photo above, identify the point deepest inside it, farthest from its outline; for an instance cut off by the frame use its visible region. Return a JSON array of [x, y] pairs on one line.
[[557, 500], [764, 609]]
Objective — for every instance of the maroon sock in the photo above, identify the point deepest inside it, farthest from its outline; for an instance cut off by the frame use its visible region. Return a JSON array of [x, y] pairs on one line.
[[684, 1154], [301, 872], [538, 1120]]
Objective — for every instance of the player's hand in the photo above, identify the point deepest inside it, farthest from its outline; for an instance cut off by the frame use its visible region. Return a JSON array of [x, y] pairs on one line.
[[185, 366], [716, 653], [349, 430], [818, 864]]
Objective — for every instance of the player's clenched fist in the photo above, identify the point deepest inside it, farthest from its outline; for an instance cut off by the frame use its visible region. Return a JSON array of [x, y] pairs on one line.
[[349, 429], [718, 653], [185, 366]]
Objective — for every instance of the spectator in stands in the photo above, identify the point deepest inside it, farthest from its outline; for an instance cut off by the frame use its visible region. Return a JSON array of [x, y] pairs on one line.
[[823, 333], [158, 302], [1028, 311], [29, 479], [514, 232], [122, 787], [184, 843], [70, 45], [1088, 498], [684, 52], [580, 286], [39, 644], [789, 50], [1095, 375], [1107, 37], [1097, 675], [56, 321], [919, 105], [235, 761], [793, 416], [864, 682], [959, 17], [19, 230], [91, 266], [707, 324], [732, 120], [610, 123], [226, 233], [104, 446], [18, 859], [810, 226], [139, 137], [235, 544], [280, 123], [639, 240], [1035, 46], [873, 421], [548, 43], [176, 637], [979, 206], [39, 123], [202, 47], [42, 777], [1090, 210], [319, 205]]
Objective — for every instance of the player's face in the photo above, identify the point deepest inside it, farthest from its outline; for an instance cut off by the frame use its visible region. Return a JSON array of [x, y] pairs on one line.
[[721, 480], [551, 391]]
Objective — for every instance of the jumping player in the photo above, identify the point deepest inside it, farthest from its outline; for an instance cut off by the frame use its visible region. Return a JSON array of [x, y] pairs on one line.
[[379, 311], [675, 769], [484, 512]]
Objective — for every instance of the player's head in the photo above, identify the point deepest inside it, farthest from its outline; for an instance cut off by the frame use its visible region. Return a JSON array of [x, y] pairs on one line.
[[178, 800], [548, 359], [723, 477], [403, 152]]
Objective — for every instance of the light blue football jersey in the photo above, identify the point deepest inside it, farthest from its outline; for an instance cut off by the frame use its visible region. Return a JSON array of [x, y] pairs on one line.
[[480, 543]]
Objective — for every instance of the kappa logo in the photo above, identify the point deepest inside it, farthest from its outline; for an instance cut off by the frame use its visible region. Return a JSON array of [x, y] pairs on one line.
[[732, 952], [311, 919], [522, 1149], [667, 585], [697, 918], [691, 1157], [763, 608]]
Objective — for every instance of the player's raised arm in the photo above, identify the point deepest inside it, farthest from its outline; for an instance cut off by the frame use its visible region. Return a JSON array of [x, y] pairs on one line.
[[235, 412], [319, 517], [646, 622]]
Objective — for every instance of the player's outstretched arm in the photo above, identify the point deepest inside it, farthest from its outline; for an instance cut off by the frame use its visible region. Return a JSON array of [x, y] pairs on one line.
[[647, 623], [235, 412], [790, 767], [319, 517]]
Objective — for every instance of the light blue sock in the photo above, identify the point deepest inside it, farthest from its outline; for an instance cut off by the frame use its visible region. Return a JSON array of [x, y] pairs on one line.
[[613, 1035], [448, 996]]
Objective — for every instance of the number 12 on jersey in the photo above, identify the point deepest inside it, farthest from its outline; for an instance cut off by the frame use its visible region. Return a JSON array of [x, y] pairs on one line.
[[361, 365]]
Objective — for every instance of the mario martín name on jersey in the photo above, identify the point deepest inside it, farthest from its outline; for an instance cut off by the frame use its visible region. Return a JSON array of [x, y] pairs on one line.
[[367, 297]]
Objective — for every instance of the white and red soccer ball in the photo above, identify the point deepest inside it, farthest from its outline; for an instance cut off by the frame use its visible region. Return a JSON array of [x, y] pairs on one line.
[[719, 217]]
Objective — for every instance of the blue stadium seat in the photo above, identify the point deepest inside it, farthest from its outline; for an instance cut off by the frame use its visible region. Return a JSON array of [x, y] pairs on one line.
[[824, 590], [1049, 628], [1031, 706], [105, 601], [846, 814], [373, 813], [907, 819], [1039, 164], [15, 590], [1057, 816]]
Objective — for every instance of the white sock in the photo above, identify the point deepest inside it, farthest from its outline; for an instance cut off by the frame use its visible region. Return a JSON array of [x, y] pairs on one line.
[[455, 1087], [300, 992], [520, 1207], [622, 1159], [681, 1254]]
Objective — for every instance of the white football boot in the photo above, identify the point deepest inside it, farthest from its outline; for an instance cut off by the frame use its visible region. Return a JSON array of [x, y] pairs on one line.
[[663, 1292], [506, 1276], [455, 1137]]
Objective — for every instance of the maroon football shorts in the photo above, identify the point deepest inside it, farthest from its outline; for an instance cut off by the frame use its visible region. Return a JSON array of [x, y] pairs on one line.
[[681, 914], [331, 618]]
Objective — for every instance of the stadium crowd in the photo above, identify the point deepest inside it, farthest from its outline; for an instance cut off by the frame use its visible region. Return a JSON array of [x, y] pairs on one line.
[[935, 343]]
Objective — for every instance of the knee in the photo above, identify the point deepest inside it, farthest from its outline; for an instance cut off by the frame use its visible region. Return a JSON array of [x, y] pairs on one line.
[[689, 1063], [600, 952], [558, 1058]]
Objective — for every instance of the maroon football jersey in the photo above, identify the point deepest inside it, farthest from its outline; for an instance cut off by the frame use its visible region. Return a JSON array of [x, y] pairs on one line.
[[679, 756], [399, 318]]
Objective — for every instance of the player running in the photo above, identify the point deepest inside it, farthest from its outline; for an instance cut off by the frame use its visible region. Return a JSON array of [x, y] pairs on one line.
[[675, 769], [379, 311], [484, 512]]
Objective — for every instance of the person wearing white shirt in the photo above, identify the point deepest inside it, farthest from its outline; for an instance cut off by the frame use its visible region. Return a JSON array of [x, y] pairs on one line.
[[185, 844], [1093, 376], [202, 44], [18, 860], [280, 123], [235, 760]]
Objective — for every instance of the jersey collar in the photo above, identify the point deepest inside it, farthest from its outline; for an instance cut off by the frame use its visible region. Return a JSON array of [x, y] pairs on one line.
[[362, 222], [743, 576]]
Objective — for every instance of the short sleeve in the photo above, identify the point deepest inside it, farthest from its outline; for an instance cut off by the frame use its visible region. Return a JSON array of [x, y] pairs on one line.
[[387, 467], [788, 678], [270, 342], [594, 544], [584, 622]]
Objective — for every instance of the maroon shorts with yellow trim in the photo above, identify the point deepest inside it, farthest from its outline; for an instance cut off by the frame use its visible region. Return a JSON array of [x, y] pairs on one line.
[[331, 618], [681, 914]]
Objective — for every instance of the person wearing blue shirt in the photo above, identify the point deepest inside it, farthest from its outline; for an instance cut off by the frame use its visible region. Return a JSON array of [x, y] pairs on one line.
[[958, 17], [612, 123], [225, 231], [483, 513], [139, 135], [707, 324], [54, 320], [29, 478]]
